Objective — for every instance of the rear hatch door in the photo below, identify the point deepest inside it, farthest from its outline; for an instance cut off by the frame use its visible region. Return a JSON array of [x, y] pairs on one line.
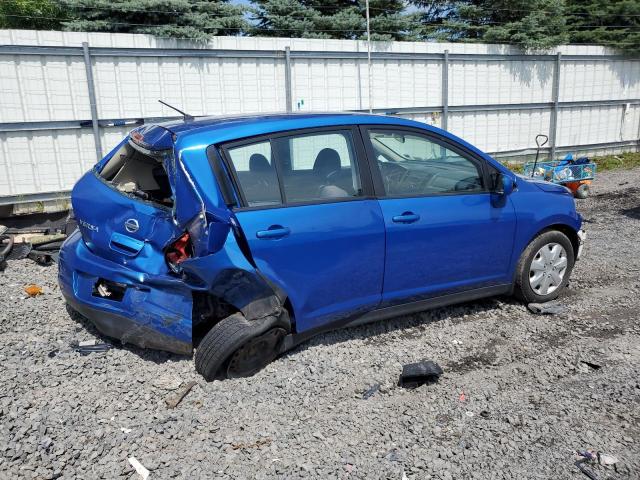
[[124, 207]]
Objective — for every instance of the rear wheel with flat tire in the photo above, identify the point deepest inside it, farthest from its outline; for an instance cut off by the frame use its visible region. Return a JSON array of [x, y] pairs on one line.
[[236, 347], [544, 267]]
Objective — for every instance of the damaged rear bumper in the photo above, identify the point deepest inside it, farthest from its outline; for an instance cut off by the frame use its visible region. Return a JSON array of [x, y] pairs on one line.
[[151, 311]]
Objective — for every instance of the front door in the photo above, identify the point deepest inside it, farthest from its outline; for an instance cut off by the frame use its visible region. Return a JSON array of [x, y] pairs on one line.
[[444, 232], [308, 221]]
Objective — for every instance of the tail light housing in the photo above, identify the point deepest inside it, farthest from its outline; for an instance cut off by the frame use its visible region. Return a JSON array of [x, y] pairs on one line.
[[179, 251]]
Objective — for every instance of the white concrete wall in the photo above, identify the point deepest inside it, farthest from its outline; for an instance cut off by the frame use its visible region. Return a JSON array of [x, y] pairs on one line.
[[52, 88]]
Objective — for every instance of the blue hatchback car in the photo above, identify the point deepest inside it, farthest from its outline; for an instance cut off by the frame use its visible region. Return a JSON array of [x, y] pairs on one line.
[[244, 236]]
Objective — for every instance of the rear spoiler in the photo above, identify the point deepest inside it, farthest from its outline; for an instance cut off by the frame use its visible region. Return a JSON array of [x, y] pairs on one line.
[[152, 138]]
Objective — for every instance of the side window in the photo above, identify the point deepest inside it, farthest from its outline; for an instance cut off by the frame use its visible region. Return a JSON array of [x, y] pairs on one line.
[[318, 166], [412, 164], [256, 173]]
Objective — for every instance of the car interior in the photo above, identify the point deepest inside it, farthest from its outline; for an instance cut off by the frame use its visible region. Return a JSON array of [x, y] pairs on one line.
[[409, 165], [325, 180], [137, 174], [429, 169]]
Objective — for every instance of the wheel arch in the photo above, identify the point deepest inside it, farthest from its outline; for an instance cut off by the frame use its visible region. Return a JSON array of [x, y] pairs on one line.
[[525, 241], [237, 290], [568, 230]]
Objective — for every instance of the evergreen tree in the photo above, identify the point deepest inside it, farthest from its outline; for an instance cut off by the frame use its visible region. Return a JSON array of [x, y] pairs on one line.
[[195, 19], [30, 14], [430, 17], [530, 24], [342, 19], [614, 23]]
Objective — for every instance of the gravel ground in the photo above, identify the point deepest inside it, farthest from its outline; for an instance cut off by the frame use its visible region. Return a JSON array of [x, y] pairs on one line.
[[516, 399]]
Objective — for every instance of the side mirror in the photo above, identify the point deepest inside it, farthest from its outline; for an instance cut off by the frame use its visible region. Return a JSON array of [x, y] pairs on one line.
[[504, 184]]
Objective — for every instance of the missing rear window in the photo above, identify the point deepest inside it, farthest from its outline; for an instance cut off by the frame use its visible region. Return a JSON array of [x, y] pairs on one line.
[[139, 175]]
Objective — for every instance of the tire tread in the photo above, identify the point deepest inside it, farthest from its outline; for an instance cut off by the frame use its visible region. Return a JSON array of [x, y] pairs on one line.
[[215, 346]]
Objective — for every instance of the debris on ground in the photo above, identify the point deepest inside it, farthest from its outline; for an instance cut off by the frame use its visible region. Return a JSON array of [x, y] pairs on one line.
[[42, 246], [588, 454], [33, 290], [606, 460], [415, 374], [6, 245], [91, 346], [546, 308], [139, 468], [592, 365], [167, 382], [586, 470], [19, 251], [371, 391], [591, 457], [174, 400]]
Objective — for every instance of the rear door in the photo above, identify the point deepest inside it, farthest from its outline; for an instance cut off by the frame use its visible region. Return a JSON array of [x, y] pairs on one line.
[[311, 223], [445, 232]]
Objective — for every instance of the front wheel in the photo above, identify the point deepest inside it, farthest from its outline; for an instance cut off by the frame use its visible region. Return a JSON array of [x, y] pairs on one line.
[[544, 267]]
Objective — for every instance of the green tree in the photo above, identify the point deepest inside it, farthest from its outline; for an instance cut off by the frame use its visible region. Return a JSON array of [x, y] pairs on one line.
[[530, 24], [430, 17], [31, 14], [614, 23], [341, 19], [195, 19]]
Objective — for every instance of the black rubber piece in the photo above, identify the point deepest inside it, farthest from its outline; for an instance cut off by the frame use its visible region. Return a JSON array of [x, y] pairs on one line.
[[523, 290], [20, 250], [416, 374], [226, 337], [6, 244]]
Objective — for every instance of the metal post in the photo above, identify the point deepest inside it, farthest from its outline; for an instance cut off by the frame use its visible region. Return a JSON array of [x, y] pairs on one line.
[[553, 124], [287, 78], [445, 91], [369, 57], [92, 100]]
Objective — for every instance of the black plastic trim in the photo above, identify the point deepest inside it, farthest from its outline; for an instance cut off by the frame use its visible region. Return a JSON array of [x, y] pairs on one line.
[[226, 188]]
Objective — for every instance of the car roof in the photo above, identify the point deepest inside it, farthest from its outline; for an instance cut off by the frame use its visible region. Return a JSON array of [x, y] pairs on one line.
[[244, 120], [216, 129]]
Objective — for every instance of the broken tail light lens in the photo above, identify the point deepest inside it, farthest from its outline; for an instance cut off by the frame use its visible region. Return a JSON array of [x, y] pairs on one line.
[[178, 252]]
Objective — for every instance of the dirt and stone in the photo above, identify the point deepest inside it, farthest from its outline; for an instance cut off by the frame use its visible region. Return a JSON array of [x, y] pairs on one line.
[[519, 395]]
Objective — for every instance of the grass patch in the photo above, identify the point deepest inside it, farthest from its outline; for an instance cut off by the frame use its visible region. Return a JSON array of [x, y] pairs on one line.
[[607, 162], [514, 167], [614, 162]]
